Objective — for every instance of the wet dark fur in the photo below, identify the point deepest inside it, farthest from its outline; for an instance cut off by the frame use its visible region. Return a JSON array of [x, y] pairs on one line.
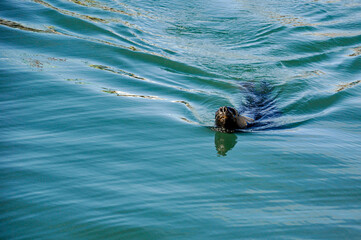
[[226, 118]]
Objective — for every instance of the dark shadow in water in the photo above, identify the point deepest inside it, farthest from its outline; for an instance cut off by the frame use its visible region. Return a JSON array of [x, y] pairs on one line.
[[260, 104], [224, 142]]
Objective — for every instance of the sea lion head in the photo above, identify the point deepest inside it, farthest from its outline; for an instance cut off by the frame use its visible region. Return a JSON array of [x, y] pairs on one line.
[[226, 118]]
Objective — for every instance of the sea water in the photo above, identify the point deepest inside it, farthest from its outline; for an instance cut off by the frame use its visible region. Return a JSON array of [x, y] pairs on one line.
[[107, 107]]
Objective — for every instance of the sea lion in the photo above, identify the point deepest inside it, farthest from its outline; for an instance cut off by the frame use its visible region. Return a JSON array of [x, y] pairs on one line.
[[228, 119]]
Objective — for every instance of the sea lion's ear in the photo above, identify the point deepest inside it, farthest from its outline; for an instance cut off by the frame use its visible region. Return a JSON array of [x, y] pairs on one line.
[[249, 120]]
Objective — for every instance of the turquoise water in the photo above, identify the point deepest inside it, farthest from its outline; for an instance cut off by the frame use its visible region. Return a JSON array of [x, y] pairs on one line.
[[106, 108]]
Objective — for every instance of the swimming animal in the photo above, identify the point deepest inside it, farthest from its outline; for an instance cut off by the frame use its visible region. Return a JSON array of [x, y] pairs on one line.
[[259, 103], [228, 119]]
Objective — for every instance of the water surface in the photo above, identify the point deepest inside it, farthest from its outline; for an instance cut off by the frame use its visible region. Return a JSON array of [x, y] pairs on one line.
[[106, 108]]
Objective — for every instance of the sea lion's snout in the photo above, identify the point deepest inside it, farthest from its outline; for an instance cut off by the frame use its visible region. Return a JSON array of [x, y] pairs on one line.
[[226, 118]]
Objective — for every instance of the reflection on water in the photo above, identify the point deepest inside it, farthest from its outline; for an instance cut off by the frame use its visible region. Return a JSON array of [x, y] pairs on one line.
[[13, 24], [66, 12], [224, 142], [124, 94], [357, 52], [347, 85]]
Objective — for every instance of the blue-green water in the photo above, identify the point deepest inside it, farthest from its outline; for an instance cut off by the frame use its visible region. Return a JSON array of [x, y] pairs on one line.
[[106, 108]]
